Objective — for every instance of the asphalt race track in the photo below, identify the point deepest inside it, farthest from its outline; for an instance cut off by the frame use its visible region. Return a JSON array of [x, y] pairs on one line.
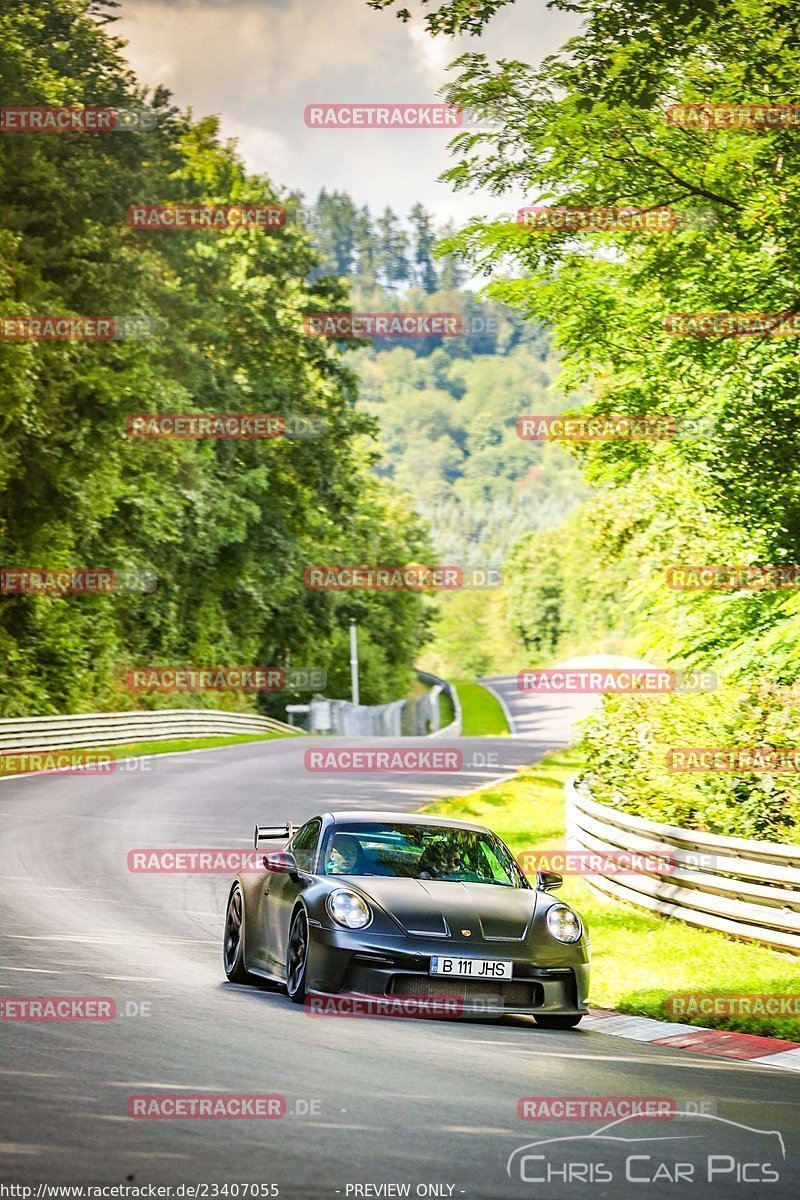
[[430, 1104]]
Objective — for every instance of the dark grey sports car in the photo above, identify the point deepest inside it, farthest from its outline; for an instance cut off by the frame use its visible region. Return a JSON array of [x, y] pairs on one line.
[[390, 905]]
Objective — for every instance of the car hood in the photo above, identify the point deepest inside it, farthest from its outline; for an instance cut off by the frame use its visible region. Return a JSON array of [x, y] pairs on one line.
[[429, 907]]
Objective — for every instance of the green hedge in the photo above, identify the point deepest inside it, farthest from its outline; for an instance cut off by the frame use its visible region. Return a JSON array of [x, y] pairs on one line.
[[626, 746]]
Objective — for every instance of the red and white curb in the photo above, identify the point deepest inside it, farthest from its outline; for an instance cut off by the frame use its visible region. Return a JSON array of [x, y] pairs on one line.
[[770, 1052]]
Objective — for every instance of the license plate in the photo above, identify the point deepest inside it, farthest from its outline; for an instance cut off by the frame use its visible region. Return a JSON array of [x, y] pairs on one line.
[[471, 968]]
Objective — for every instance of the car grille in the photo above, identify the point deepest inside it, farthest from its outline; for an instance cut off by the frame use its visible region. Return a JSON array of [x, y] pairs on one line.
[[498, 994]]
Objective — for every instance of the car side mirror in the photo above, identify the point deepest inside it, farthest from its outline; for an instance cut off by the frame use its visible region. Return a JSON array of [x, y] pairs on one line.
[[280, 862], [549, 881]]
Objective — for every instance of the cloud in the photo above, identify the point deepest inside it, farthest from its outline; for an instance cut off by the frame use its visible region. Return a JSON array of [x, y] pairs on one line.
[[433, 53], [258, 63], [264, 151]]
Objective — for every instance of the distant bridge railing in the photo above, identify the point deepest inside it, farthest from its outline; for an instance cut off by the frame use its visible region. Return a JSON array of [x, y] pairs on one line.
[[117, 729], [748, 889], [414, 716]]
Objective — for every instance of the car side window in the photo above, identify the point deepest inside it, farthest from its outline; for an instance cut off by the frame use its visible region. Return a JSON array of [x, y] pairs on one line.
[[304, 844]]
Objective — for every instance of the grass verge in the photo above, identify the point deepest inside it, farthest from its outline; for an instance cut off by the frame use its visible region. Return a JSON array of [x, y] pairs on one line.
[[143, 749], [481, 713], [638, 959]]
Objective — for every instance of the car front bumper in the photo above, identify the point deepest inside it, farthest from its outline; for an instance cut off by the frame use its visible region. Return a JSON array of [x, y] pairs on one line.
[[550, 978]]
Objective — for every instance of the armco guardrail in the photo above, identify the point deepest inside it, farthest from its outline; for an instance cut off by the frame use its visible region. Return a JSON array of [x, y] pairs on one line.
[[416, 716], [747, 889], [115, 729], [441, 685]]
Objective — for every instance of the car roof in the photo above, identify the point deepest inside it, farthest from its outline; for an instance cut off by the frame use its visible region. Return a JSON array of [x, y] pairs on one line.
[[359, 816]]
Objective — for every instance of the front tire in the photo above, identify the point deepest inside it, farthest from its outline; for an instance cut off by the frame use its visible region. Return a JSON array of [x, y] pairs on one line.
[[553, 1021], [233, 939], [297, 957]]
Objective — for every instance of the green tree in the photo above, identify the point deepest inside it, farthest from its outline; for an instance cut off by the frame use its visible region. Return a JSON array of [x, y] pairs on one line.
[[423, 242], [392, 256], [227, 527], [535, 591], [589, 127]]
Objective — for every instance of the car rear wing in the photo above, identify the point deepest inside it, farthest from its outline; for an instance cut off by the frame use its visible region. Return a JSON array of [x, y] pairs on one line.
[[272, 833]]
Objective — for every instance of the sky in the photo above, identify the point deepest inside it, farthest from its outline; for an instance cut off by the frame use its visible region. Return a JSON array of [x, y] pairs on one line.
[[258, 63]]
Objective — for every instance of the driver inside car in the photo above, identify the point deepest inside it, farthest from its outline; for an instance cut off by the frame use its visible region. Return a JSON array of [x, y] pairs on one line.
[[440, 861], [344, 857]]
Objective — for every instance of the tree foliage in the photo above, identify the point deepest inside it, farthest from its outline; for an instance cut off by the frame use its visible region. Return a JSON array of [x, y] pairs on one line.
[[589, 127], [228, 527]]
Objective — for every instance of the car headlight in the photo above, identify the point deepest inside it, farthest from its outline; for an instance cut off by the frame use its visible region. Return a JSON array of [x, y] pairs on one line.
[[564, 924], [349, 909]]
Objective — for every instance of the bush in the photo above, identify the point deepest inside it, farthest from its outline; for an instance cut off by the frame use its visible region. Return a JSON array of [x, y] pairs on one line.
[[626, 745]]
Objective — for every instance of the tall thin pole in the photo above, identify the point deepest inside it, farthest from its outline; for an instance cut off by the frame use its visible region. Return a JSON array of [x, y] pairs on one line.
[[354, 660]]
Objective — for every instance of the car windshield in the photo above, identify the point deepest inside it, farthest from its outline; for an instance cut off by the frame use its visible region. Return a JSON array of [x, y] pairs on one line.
[[419, 852]]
